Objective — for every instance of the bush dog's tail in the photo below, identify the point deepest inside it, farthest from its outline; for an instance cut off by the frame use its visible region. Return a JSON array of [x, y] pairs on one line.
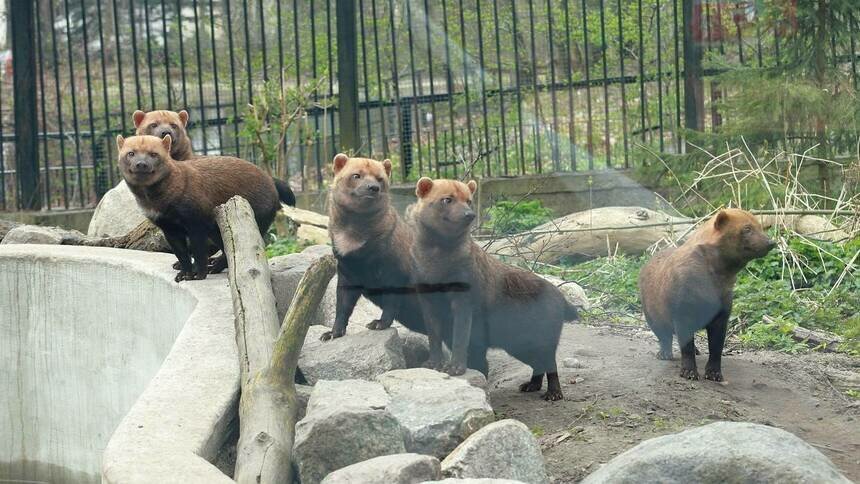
[[284, 192]]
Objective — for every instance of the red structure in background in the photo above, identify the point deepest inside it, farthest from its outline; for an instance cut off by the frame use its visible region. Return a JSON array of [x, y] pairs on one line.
[[709, 15]]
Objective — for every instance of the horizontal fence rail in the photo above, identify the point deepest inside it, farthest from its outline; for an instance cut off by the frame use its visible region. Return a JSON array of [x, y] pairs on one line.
[[448, 88]]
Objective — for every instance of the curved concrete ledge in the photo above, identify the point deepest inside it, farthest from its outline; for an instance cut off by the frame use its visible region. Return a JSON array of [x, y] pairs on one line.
[[101, 339]]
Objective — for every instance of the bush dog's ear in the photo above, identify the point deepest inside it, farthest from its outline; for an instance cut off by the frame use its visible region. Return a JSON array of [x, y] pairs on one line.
[[340, 160], [119, 142], [473, 185], [423, 187], [166, 142], [183, 116], [137, 117], [721, 220], [386, 163]]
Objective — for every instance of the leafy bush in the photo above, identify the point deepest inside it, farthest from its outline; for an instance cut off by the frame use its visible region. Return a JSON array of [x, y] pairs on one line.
[[508, 217]]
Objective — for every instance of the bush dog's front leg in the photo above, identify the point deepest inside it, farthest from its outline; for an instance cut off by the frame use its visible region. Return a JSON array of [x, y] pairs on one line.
[[461, 308], [346, 297]]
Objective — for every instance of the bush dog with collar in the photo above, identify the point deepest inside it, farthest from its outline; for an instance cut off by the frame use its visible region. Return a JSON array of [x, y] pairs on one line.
[[180, 197], [490, 304], [161, 123], [690, 287], [371, 244]]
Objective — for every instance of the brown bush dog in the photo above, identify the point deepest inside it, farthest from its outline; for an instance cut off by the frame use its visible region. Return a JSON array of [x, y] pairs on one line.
[[489, 304], [371, 244], [180, 197], [161, 123], [690, 287]]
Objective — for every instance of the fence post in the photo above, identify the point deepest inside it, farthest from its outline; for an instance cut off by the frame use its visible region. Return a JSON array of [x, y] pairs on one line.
[[24, 85], [347, 75], [694, 89]]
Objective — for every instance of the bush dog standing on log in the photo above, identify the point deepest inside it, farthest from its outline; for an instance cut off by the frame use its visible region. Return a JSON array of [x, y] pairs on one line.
[[180, 198], [688, 288], [162, 123], [491, 304], [371, 244]]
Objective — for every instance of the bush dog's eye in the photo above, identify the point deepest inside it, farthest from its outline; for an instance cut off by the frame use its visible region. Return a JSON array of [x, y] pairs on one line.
[[173, 125], [747, 229], [130, 154], [153, 125], [356, 176], [152, 154], [447, 200]]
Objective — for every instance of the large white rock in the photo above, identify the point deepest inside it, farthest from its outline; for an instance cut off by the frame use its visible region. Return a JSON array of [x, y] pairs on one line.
[[721, 452], [346, 422], [37, 234], [502, 450], [361, 354], [436, 411], [116, 214], [389, 469], [573, 292]]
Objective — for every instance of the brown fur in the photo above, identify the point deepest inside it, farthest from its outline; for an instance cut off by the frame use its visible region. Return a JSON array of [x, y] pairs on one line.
[[371, 244], [475, 297], [180, 197], [689, 288], [161, 123]]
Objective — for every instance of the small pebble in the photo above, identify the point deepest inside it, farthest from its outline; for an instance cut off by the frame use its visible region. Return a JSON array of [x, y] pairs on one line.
[[572, 363]]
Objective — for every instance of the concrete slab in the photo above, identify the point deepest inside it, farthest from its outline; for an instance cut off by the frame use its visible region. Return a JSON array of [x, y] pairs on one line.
[[113, 372]]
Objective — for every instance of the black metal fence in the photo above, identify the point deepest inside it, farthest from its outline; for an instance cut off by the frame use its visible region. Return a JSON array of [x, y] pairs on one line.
[[498, 87]]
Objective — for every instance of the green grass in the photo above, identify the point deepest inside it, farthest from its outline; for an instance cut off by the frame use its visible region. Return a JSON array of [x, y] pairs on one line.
[[284, 246], [507, 217], [772, 295]]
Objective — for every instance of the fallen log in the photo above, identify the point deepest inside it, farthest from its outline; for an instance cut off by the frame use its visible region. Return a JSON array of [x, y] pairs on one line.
[[268, 355]]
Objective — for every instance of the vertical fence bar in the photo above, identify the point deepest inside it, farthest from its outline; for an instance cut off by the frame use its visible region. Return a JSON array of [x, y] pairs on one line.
[[553, 97], [328, 17], [164, 33], [623, 78], [433, 121], [280, 30], [229, 14], [182, 54], [483, 67], [44, 127], [449, 85], [148, 53], [740, 37], [589, 127], [534, 75], [60, 128], [98, 178], [105, 99], [379, 83], [347, 75], [263, 40], [604, 48], [677, 39], [300, 127], [215, 82], [415, 112], [73, 91], [659, 77], [853, 26], [24, 92], [694, 99], [758, 39], [135, 56], [571, 126], [466, 80], [520, 135], [504, 133], [317, 154], [366, 79], [643, 100], [199, 57], [247, 32], [405, 144]]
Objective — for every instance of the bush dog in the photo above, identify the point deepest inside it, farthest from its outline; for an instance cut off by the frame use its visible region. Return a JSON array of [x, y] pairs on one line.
[[491, 304], [371, 244], [162, 123], [179, 197], [689, 288]]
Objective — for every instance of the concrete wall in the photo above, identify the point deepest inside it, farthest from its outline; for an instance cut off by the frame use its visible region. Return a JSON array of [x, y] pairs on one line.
[[564, 193], [68, 219], [90, 336]]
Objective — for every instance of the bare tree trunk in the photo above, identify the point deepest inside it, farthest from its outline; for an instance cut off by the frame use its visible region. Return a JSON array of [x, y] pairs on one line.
[[268, 357]]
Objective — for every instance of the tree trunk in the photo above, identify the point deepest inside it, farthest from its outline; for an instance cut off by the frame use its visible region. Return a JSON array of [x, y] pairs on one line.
[[268, 357]]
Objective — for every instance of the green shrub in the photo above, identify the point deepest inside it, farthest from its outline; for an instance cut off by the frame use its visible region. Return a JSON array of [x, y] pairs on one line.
[[508, 217], [284, 246]]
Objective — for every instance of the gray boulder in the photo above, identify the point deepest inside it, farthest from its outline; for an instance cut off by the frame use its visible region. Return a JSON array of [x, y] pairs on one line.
[[116, 214], [389, 469], [346, 423], [436, 411], [573, 292], [38, 234], [358, 354], [303, 394], [416, 346], [721, 452], [503, 450]]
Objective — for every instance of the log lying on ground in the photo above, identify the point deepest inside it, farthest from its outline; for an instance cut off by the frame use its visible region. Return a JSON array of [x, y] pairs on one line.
[[817, 338], [146, 236], [268, 356]]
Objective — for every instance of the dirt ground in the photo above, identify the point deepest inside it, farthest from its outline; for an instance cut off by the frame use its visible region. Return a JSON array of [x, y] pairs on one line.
[[622, 394]]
